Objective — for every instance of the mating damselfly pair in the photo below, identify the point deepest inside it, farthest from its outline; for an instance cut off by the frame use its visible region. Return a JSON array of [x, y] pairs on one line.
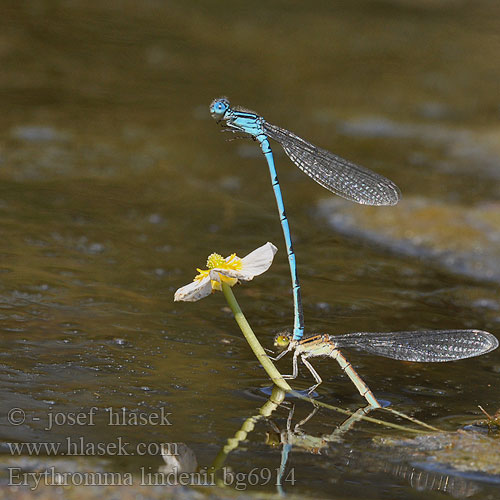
[[362, 186]]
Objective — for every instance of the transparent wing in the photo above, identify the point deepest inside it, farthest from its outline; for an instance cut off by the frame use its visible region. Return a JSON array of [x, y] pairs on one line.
[[423, 345], [333, 172]]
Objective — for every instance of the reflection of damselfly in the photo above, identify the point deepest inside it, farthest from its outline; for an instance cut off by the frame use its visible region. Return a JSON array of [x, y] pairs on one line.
[[422, 346], [297, 438]]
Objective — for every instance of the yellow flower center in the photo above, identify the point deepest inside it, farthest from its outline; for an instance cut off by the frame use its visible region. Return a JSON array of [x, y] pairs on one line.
[[232, 262], [216, 261]]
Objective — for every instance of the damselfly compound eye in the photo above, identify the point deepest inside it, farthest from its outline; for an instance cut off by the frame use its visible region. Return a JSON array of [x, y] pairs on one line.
[[282, 340], [219, 107]]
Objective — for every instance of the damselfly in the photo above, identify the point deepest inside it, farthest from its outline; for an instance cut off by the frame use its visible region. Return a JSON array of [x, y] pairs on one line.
[[330, 171], [421, 346]]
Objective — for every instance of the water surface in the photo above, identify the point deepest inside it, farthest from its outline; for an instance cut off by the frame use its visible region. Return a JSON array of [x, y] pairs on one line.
[[116, 184]]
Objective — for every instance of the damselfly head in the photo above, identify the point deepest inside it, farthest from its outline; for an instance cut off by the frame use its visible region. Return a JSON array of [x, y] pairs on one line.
[[282, 340], [219, 107]]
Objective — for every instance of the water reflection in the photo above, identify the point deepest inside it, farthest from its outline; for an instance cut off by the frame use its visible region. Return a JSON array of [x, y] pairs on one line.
[[335, 455]]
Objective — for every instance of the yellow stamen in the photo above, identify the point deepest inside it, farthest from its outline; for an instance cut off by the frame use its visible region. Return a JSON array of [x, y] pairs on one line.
[[202, 273], [234, 262], [216, 261]]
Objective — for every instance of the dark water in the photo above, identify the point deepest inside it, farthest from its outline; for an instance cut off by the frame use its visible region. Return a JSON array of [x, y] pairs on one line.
[[116, 184]]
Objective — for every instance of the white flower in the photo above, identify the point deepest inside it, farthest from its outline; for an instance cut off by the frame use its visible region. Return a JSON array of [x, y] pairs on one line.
[[229, 270]]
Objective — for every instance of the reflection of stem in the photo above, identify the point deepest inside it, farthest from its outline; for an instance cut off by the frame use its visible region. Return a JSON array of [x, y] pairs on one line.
[[257, 349], [277, 397]]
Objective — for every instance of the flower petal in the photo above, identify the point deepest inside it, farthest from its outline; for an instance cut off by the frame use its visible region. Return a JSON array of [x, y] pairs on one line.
[[260, 260], [194, 291], [255, 263]]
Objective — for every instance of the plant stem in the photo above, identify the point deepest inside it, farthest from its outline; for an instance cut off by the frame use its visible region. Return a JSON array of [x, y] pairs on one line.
[[252, 340]]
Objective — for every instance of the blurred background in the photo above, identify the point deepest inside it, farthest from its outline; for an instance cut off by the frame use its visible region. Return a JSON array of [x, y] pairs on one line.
[[116, 184]]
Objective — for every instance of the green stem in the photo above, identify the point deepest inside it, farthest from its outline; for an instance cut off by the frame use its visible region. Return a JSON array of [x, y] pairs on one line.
[[252, 340]]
